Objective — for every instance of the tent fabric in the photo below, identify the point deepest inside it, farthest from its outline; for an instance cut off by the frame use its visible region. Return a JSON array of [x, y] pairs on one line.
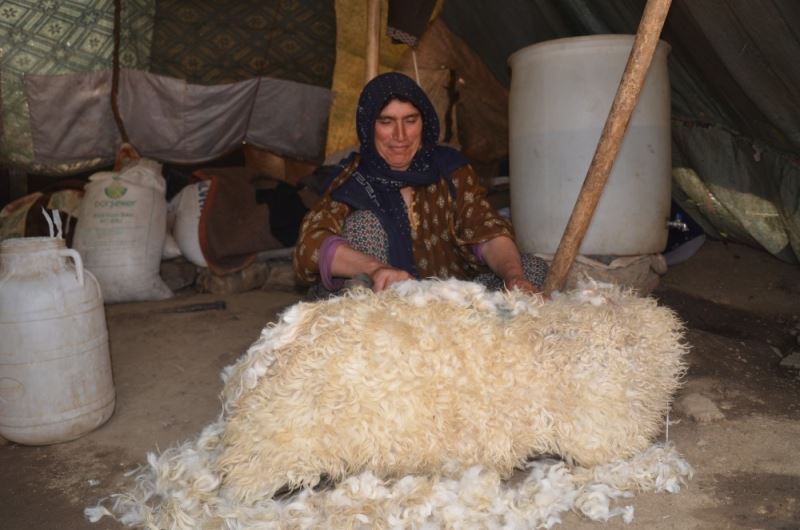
[[748, 191], [290, 119], [735, 92], [407, 20], [169, 119], [70, 118], [350, 71], [53, 38], [224, 41], [494, 34], [746, 54], [55, 81], [471, 104]]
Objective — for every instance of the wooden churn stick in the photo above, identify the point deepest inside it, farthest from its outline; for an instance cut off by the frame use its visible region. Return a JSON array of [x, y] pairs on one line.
[[644, 46]]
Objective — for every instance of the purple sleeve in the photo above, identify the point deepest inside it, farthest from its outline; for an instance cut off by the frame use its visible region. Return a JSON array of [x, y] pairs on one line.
[[326, 253], [477, 249]]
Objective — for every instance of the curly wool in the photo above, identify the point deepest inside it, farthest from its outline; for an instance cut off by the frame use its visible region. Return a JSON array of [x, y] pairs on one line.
[[431, 379], [409, 379], [170, 494]]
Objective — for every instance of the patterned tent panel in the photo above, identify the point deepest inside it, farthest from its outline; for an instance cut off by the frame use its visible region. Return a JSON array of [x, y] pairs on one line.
[[213, 41]]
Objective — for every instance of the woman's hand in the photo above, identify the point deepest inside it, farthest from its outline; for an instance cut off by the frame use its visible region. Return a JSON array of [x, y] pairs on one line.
[[521, 283], [502, 256], [348, 263], [384, 276]]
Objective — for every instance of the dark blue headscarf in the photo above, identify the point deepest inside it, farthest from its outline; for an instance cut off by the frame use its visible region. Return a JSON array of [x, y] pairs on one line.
[[374, 185]]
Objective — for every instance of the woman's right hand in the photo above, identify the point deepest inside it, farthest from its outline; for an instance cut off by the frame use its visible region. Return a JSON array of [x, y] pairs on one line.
[[348, 262], [384, 276]]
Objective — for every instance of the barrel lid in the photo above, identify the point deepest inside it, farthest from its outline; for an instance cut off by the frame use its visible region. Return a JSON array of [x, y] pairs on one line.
[[580, 43], [20, 245]]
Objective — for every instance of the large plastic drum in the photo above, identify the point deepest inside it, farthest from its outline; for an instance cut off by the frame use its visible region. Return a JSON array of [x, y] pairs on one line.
[[561, 93]]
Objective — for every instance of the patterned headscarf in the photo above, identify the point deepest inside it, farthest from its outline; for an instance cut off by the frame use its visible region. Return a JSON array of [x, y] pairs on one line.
[[374, 185]]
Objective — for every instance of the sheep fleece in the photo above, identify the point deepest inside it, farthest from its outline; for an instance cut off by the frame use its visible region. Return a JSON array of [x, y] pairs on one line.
[[434, 372]]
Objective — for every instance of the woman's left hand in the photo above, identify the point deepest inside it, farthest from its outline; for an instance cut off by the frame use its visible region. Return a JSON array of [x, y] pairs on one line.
[[502, 256], [521, 283]]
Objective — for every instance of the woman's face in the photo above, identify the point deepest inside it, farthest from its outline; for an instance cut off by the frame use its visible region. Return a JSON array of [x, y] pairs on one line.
[[398, 134]]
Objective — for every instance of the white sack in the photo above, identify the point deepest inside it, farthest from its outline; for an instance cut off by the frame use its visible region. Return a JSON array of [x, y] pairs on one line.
[[187, 206], [121, 232]]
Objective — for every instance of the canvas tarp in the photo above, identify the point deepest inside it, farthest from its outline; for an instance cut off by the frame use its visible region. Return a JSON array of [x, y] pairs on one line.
[[172, 120]]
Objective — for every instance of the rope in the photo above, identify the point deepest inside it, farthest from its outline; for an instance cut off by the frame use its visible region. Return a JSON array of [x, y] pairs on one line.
[[115, 72]]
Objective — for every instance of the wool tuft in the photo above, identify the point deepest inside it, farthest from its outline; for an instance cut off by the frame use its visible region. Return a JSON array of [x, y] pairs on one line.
[[419, 403]]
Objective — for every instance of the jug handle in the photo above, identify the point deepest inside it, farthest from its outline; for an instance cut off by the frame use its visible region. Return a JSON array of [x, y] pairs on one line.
[[76, 257]]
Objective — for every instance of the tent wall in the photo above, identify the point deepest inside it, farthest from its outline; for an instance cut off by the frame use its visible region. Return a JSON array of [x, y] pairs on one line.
[[199, 79]]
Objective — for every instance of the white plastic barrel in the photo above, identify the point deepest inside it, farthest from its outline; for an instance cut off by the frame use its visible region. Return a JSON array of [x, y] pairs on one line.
[[55, 367], [561, 93]]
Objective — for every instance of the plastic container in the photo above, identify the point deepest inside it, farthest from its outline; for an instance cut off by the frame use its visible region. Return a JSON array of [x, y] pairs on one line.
[[55, 367], [561, 94]]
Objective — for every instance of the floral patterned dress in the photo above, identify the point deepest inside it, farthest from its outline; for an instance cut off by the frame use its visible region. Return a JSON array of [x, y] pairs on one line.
[[445, 227]]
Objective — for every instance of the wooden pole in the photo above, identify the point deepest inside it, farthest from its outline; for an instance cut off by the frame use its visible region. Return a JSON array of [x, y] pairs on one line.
[[644, 46], [373, 38]]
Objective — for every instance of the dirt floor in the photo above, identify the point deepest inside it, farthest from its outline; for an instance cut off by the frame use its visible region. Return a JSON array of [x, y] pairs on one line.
[[737, 419]]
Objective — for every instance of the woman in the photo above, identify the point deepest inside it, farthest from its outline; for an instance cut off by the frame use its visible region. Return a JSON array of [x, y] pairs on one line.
[[405, 207]]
